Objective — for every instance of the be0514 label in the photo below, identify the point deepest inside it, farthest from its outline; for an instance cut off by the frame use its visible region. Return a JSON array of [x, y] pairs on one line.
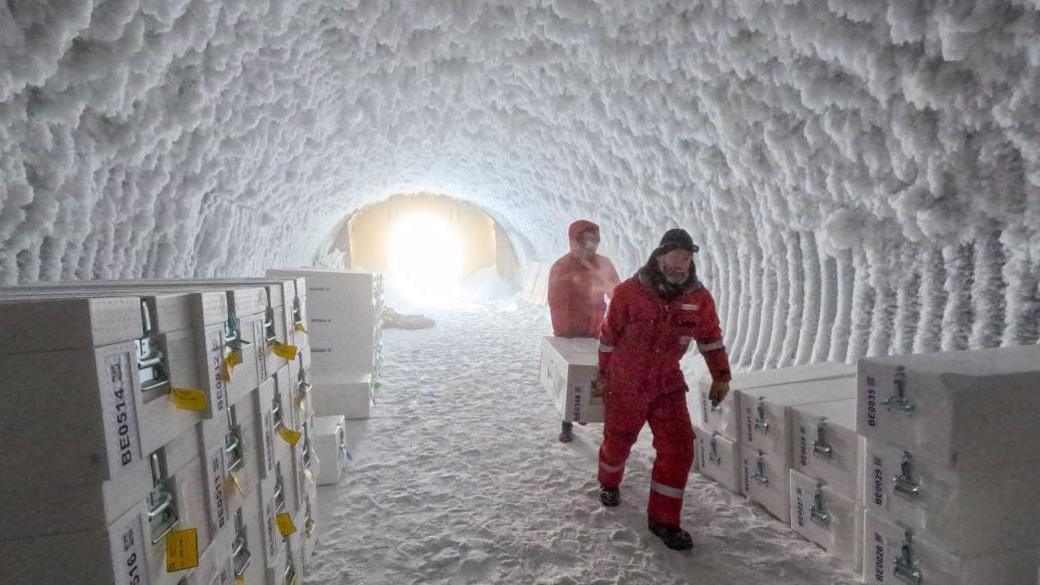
[[124, 443]]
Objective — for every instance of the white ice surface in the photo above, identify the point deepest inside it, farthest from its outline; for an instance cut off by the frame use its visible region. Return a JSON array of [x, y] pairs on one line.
[[458, 478], [863, 176]]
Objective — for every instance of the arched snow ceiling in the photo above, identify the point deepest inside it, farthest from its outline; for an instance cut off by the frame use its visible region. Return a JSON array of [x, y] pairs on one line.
[[864, 176]]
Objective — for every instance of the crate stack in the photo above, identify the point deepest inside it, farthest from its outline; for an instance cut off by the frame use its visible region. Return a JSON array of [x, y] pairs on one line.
[[752, 444], [154, 434], [720, 453], [344, 321], [951, 467]]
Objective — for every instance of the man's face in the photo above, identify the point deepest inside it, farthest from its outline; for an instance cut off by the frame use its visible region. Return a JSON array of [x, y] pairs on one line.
[[588, 241], [675, 265]]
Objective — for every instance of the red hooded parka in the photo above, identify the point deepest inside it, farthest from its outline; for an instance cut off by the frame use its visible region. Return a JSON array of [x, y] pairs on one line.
[[641, 342], [578, 283]]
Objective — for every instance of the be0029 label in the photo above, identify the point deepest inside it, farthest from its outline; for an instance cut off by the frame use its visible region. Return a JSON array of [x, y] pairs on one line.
[[121, 415]]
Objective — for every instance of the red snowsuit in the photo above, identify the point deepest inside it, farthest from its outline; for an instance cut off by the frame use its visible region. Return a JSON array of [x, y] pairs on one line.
[[577, 287], [641, 343]]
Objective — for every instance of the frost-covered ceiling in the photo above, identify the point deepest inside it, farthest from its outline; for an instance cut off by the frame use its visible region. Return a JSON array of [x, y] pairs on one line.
[[864, 175]]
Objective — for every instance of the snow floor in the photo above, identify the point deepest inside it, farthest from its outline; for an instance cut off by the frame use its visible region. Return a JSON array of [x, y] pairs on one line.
[[458, 478]]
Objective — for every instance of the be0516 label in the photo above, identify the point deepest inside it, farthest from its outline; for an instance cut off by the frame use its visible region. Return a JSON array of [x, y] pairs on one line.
[[124, 444], [128, 561]]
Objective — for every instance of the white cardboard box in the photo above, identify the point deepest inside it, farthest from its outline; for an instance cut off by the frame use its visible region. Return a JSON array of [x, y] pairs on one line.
[[352, 398], [766, 478], [764, 412], [342, 320], [718, 458], [962, 409], [824, 445], [723, 418], [888, 549], [330, 444], [828, 518], [974, 511], [34, 326], [75, 409], [569, 372], [112, 555]]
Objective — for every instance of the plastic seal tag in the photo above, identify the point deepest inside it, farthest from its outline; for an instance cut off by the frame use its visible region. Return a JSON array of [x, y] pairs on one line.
[[240, 579], [289, 435], [299, 328], [182, 550], [236, 483], [188, 398], [284, 350], [285, 524], [227, 367]]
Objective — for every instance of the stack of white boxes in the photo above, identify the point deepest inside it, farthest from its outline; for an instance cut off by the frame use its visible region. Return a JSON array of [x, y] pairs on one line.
[[142, 409], [951, 467], [720, 454], [344, 321]]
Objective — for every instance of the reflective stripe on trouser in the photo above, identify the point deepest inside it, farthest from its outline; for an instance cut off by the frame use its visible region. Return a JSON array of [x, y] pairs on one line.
[[673, 440]]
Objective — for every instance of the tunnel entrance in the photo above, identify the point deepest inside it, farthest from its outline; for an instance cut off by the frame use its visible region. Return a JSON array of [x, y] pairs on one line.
[[436, 251]]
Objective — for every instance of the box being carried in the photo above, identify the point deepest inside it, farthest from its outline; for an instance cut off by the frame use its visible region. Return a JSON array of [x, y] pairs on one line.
[[569, 370]]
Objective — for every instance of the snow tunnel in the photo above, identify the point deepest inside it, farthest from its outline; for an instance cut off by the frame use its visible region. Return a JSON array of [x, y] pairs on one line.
[[861, 180]]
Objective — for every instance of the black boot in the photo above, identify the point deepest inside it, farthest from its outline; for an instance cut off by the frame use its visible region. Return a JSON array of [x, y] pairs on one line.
[[674, 537], [609, 497], [566, 432]]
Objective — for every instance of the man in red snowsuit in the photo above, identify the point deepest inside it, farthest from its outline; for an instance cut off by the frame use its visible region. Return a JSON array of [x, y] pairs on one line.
[[578, 283], [653, 318]]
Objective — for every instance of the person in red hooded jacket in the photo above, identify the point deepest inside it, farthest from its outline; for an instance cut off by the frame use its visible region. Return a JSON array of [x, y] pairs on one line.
[[653, 318], [578, 284]]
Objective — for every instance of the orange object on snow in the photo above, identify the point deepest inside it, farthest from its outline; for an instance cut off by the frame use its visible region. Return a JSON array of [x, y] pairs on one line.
[[578, 284]]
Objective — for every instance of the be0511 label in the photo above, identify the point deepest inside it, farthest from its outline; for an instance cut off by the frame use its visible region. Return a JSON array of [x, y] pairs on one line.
[[124, 444]]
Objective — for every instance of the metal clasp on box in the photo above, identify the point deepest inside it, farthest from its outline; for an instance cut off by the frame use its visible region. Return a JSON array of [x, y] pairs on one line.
[[289, 577], [905, 484], [306, 449], [277, 420], [240, 555], [297, 311], [905, 567], [713, 455], [233, 338], [162, 508], [151, 361], [279, 490], [269, 330], [302, 385], [762, 421], [898, 401], [760, 470], [233, 441], [818, 511], [820, 446]]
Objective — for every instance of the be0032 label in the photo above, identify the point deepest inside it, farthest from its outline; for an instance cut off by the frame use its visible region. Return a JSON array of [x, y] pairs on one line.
[[124, 444]]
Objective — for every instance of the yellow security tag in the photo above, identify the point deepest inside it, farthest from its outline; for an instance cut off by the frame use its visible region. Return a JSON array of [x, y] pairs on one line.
[[289, 435], [182, 550], [188, 398], [240, 579], [308, 526], [284, 350], [236, 483], [285, 524], [299, 328], [228, 365]]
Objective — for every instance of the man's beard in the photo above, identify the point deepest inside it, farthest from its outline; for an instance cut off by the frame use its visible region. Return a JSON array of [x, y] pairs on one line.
[[676, 277]]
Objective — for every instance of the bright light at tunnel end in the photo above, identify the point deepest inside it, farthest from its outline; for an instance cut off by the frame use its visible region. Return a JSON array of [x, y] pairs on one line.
[[426, 257]]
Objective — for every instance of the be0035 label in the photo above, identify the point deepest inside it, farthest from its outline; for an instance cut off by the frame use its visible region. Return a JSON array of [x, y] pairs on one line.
[[124, 444]]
